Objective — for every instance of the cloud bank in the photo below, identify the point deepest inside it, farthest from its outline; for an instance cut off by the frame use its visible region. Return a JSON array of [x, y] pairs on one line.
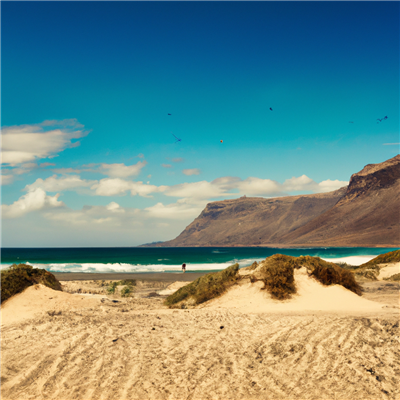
[[27, 143]]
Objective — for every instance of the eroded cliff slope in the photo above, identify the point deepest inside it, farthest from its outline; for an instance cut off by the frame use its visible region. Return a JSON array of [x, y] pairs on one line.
[[366, 213]]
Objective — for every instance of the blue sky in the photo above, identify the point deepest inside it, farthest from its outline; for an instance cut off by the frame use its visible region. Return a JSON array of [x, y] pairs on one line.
[[105, 171]]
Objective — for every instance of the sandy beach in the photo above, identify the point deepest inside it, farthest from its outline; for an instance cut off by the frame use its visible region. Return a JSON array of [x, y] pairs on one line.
[[81, 345]]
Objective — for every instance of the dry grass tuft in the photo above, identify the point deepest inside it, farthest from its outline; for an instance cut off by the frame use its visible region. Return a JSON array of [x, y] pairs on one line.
[[387, 258], [204, 288], [330, 274], [18, 277], [395, 277], [277, 274]]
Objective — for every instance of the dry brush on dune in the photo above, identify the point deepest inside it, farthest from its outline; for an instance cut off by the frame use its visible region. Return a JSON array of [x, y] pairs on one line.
[[18, 277], [276, 272]]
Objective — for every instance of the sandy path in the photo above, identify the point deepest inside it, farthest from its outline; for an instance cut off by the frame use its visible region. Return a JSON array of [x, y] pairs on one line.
[[75, 355]]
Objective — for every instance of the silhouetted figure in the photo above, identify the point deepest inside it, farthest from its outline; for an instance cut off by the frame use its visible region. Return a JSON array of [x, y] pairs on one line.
[[271, 109], [183, 267]]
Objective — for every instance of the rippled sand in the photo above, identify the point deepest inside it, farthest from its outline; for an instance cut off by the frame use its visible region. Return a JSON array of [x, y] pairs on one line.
[[88, 347]]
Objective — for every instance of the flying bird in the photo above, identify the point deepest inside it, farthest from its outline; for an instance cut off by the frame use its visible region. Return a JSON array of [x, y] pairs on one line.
[[381, 119], [271, 109], [169, 114], [177, 139], [351, 122]]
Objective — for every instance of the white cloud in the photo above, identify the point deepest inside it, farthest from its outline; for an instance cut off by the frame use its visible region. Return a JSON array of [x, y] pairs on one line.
[[6, 179], [198, 190], [259, 187], [66, 171], [34, 200], [26, 143], [181, 210], [391, 144], [304, 183], [178, 160], [298, 184], [233, 186], [114, 207], [330, 186], [56, 184], [116, 186], [193, 171], [121, 170], [111, 187], [166, 165]]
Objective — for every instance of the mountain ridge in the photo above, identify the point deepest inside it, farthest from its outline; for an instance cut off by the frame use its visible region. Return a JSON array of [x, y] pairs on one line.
[[364, 213]]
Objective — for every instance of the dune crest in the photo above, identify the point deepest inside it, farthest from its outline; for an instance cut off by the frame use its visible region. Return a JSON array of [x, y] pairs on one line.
[[37, 299], [311, 296]]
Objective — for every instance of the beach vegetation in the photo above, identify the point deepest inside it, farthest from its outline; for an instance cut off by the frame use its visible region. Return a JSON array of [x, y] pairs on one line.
[[329, 273], [111, 287], [386, 258], [126, 291], [130, 282], [346, 266], [395, 277], [205, 288], [370, 273], [17, 278], [277, 273]]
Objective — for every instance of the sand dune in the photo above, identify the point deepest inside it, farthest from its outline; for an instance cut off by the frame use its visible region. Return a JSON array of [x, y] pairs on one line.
[[66, 346], [39, 299], [387, 270], [311, 296]]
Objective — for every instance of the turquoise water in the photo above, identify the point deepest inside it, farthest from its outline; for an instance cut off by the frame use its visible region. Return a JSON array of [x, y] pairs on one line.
[[140, 259]]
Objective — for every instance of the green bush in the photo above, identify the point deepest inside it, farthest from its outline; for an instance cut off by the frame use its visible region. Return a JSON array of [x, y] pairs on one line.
[[130, 282], [18, 277], [126, 291], [204, 288], [111, 288]]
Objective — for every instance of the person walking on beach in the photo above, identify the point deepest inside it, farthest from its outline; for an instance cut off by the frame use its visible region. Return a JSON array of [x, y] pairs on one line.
[[183, 267]]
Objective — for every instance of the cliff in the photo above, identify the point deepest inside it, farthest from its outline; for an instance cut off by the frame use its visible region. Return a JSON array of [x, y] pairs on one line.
[[366, 213]]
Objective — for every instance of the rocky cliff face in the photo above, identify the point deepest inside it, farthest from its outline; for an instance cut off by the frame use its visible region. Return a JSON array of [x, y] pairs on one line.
[[366, 213]]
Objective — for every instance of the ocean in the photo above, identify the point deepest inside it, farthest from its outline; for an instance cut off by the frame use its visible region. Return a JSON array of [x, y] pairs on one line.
[[142, 259]]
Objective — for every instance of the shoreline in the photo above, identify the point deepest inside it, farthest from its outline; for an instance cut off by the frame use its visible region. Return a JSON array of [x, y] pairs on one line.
[[116, 276]]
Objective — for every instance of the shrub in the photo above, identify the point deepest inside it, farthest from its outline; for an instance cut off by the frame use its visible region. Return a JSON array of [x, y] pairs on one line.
[[126, 291], [330, 274], [204, 288], [368, 273], [130, 282], [18, 277], [391, 257], [277, 274], [395, 277], [111, 288]]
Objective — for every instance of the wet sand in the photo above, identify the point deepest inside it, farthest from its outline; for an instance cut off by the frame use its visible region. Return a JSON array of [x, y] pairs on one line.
[[152, 277]]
